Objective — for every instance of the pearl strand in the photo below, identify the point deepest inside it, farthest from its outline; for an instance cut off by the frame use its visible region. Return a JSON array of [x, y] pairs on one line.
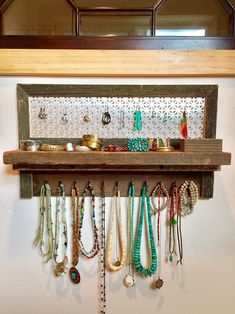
[[118, 264]]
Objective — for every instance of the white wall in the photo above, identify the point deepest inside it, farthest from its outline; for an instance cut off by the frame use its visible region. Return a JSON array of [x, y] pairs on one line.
[[204, 284]]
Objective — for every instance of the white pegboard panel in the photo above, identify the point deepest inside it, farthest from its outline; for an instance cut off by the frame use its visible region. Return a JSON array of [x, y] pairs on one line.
[[160, 116]]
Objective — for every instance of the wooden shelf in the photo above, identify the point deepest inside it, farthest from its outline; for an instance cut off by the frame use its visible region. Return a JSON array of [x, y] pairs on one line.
[[36, 167], [119, 161]]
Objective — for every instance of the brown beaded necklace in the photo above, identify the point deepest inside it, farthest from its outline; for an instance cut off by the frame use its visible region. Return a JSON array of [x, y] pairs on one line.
[[73, 272]]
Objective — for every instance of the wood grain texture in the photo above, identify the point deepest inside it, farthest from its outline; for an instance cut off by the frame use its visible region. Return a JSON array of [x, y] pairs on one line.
[[118, 63], [110, 178], [200, 145], [102, 160]]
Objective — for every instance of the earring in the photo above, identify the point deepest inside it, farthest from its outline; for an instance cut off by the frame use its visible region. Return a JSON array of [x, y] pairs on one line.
[[65, 118], [106, 118], [138, 120], [42, 114], [122, 120], [86, 118]]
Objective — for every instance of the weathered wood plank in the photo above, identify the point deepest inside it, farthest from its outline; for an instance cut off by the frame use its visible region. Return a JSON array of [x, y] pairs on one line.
[[207, 185], [26, 184], [110, 178], [200, 145], [103, 159]]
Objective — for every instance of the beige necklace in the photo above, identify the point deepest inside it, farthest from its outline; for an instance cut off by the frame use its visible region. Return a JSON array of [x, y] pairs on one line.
[[116, 211]]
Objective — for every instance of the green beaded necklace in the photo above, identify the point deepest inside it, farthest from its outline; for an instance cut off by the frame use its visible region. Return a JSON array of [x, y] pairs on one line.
[[137, 261]]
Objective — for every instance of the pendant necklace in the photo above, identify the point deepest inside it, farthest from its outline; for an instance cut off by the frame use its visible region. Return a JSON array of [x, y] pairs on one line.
[[116, 211], [44, 237], [188, 196], [73, 272], [94, 251], [160, 193], [102, 254], [60, 224], [137, 259], [129, 280], [173, 212]]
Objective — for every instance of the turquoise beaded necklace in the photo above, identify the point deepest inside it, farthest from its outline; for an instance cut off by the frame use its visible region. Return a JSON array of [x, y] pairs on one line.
[[137, 260]]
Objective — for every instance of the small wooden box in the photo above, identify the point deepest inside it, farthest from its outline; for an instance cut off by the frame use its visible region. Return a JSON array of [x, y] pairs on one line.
[[200, 145]]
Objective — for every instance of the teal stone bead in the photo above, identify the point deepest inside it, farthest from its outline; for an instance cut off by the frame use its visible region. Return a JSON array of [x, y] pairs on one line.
[[171, 258]]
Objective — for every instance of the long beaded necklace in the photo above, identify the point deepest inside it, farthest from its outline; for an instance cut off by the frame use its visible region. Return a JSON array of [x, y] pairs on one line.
[[161, 192], [60, 267], [188, 196], [102, 254], [173, 212], [116, 208], [73, 272], [94, 251], [130, 277], [44, 238], [137, 260]]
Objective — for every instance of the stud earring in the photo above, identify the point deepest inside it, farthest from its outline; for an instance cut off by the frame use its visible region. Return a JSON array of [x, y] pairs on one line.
[[42, 114]]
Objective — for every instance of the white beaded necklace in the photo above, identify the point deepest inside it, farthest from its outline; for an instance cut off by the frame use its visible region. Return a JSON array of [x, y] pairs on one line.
[[116, 207]]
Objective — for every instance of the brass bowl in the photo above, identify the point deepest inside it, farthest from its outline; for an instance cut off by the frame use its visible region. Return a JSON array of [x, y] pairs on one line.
[[91, 144], [92, 138]]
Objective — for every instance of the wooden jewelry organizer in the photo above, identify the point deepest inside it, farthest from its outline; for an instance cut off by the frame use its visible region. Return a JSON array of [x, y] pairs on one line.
[[193, 159]]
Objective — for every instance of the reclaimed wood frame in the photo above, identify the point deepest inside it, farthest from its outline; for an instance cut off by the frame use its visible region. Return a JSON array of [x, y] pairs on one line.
[[31, 179]]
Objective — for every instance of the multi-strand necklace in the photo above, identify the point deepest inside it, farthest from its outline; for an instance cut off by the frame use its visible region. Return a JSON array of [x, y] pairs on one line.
[[173, 212], [73, 272], [137, 259], [102, 254], [60, 225], [44, 237], [116, 212], [129, 280], [95, 249]]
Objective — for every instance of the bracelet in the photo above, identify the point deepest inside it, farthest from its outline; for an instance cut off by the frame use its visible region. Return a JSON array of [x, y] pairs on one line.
[[50, 147]]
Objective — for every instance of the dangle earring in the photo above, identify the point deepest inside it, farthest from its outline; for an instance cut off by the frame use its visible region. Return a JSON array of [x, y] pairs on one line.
[[65, 118], [122, 120], [106, 118], [138, 120], [42, 114]]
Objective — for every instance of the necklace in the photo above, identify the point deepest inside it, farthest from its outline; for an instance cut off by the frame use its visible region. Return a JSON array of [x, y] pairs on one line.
[[173, 212], [188, 197], [94, 251], [116, 207], [130, 277], [60, 267], [44, 237], [161, 192], [73, 272], [137, 260], [159, 188], [102, 254]]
